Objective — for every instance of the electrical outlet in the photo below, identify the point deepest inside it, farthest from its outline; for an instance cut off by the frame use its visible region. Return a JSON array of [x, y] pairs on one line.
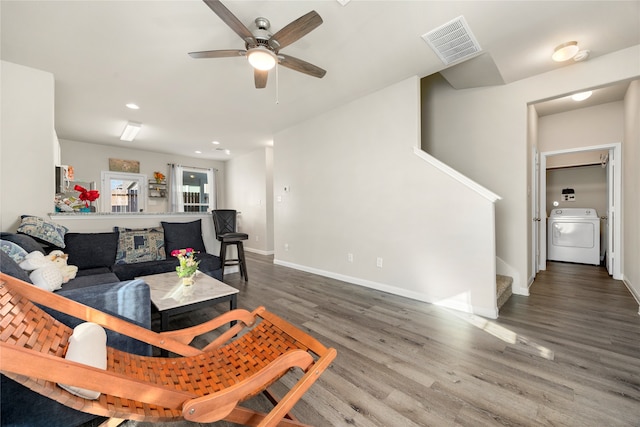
[[379, 262], [350, 257]]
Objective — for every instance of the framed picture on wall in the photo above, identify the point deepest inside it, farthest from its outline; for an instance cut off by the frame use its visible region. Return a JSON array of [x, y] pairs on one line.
[[119, 165]]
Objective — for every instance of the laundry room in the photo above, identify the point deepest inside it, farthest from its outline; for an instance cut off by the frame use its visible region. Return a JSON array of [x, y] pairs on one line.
[[577, 193]]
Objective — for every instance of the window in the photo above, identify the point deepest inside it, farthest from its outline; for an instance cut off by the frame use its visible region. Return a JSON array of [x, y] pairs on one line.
[[192, 189], [125, 192], [195, 191]]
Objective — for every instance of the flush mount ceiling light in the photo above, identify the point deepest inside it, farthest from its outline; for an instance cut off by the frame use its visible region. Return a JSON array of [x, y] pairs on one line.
[[130, 131], [132, 106], [261, 58], [565, 51], [581, 96]]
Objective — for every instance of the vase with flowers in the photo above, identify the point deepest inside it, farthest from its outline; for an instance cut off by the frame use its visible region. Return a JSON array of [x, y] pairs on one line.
[[158, 176], [87, 196], [188, 265]]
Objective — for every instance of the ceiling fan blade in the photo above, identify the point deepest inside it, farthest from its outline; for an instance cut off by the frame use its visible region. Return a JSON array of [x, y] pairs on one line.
[[301, 66], [296, 29], [231, 20], [218, 53], [260, 78]]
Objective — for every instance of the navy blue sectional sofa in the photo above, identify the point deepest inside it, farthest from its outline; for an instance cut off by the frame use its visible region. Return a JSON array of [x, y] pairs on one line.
[[101, 283]]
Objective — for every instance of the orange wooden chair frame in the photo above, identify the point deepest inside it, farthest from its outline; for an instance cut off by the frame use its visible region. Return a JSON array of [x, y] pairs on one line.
[[201, 385]]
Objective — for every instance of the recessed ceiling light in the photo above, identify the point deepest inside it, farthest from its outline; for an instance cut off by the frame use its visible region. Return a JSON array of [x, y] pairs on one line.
[[198, 152], [227, 151], [215, 142], [133, 106], [581, 96]]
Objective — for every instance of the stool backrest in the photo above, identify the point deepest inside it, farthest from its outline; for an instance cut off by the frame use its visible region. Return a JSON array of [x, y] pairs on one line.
[[224, 221]]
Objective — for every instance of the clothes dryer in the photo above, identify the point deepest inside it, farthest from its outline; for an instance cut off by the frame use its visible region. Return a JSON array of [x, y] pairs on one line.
[[574, 235]]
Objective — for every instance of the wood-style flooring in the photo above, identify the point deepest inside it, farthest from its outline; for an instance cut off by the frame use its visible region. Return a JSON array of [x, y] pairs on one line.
[[567, 355]]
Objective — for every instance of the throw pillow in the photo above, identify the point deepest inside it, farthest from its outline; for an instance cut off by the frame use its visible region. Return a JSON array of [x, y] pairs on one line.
[[87, 345], [14, 251], [43, 230], [182, 235], [141, 245], [91, 250]]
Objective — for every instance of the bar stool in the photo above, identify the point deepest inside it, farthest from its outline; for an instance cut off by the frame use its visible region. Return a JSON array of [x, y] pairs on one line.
[[224, 221]]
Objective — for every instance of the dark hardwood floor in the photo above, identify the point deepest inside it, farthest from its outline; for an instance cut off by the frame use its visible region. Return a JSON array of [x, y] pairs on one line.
[[567, 355]]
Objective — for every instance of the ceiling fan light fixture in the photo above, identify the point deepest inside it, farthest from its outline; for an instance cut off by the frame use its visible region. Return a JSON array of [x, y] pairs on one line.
[[261, 58], [581, 96], [565, 51], [130, 131]]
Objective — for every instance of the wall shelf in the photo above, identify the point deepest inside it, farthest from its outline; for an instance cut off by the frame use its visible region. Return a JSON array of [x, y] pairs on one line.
[[157, 190]]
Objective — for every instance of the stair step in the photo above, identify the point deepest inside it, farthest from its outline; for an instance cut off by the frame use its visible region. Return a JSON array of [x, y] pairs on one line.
[[503, 289]]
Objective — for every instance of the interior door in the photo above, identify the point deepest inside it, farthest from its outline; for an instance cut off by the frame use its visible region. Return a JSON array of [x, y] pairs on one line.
[[610, 218], [535, 213]]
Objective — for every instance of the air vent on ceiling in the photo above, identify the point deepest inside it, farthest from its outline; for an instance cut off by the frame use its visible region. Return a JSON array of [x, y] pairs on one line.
[[453, 41]]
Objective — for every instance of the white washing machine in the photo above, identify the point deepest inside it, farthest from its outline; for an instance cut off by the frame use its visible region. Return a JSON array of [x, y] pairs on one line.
[[574, 235]]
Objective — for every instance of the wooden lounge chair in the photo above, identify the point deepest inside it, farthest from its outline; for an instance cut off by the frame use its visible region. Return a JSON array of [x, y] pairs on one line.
[[200, 385]]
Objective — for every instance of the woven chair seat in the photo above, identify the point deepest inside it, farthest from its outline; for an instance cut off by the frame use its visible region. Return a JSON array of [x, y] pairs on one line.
[[194, 384]]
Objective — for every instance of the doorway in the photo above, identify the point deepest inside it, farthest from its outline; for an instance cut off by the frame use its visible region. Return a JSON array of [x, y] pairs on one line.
[[614, 192]]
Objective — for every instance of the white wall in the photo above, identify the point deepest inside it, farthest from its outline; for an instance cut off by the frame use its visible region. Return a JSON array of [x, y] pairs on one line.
[[27, 144], [597, 125], [631, 184], [357, 187], [483, 133], [589, 183], [249, 180], [89, 160]]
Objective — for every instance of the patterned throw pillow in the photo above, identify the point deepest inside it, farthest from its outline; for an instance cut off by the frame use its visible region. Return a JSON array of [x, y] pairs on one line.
[[43, 230], [141, 245], [14, 251]]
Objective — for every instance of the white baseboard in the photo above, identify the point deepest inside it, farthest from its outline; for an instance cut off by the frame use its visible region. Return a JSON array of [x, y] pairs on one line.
[[491, 313], [632, 290], [258, 251]]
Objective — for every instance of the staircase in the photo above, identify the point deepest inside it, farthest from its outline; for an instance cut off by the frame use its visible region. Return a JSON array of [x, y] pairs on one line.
[[503, 289]]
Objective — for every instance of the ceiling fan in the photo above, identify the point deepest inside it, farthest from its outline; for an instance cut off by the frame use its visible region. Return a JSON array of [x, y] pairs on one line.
[[262, 48]]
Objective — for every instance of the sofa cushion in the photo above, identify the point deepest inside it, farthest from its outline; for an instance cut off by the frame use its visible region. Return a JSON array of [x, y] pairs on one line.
[[91, 250], [10, 267], [131, 271], [209, 264], [129, 300], [140, 245], [27, 243], [182, 235], [90, 280], [43, 230]]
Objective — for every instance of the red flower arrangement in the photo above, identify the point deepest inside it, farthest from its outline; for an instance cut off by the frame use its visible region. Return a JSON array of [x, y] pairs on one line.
[[87, 195]]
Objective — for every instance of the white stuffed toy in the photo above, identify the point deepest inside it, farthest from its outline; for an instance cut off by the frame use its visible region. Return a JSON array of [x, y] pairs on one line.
[[44, 273], [59, 258]]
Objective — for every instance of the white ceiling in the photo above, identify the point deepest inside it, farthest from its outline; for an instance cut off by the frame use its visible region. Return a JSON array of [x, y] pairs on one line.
[[105, 54]]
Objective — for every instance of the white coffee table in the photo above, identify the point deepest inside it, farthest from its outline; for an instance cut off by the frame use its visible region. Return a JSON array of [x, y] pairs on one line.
[[170, 297]]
